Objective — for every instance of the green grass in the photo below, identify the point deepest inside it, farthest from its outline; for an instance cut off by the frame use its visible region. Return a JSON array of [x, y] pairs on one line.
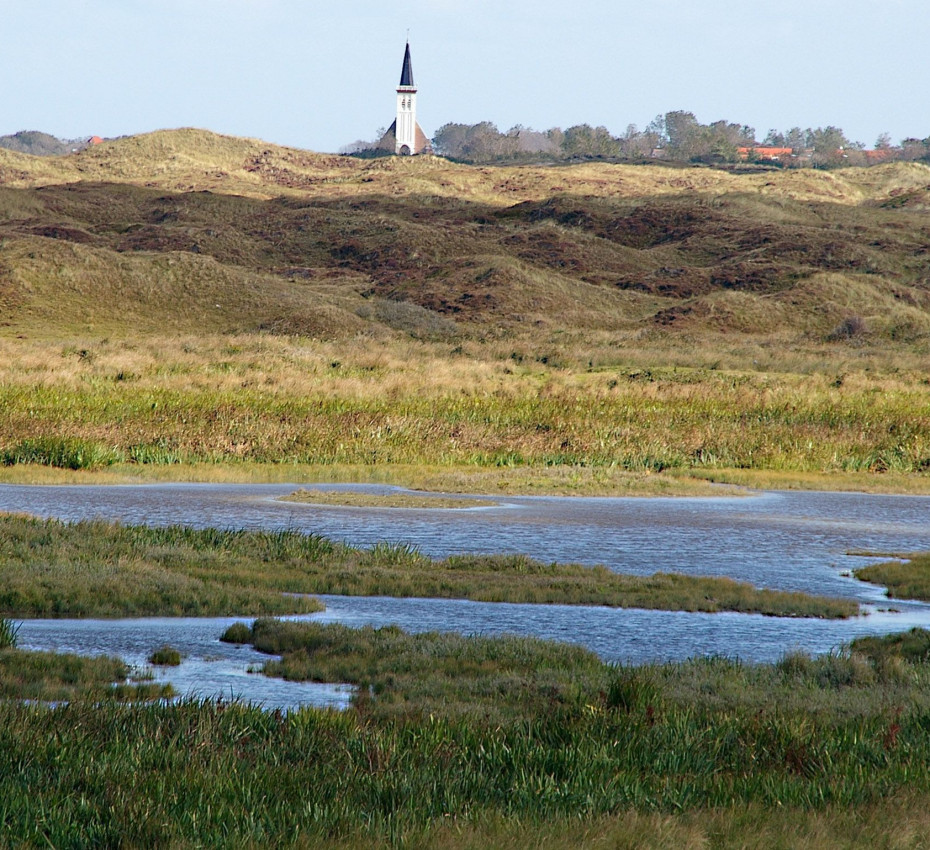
[[912, 647], [60, 452], [498, 677], [434, 672], [909, 579], [58, 677], [97, 569], [831, 751]]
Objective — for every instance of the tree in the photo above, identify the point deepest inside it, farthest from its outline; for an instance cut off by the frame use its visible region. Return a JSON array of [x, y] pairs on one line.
[[683, 133], [449, 140], [796, 139], [829, 145], [638, 145], [585, 140], [774, 139]]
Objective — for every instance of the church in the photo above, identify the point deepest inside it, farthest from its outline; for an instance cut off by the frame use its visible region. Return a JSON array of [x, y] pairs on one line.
[[404, 137]]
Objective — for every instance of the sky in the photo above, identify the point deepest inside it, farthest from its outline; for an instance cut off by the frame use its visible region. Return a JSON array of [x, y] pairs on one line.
[[320, 75]]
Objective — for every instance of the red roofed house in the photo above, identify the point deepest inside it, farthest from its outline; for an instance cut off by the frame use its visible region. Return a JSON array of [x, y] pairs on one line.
[[759, 152]]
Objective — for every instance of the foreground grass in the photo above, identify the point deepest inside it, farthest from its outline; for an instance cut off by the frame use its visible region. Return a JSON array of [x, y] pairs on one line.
[[708, 752], [909, 579], [97, 569]]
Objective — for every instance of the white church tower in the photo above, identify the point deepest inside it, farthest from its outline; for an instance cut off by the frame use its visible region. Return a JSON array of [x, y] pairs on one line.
[[405, 142], [404, 137]]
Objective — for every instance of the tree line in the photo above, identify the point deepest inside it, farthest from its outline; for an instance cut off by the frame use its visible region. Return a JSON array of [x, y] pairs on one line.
[[675, 136]]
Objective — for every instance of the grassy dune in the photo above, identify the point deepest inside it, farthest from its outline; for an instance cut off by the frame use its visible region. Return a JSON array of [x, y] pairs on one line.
[[182, 299], [95, 569]]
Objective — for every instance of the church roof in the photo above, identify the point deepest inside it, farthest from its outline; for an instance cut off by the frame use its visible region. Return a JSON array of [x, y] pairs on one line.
[[389, 140], [406, 74]]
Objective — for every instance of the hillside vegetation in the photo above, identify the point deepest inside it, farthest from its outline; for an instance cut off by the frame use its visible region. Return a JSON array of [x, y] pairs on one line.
[[285, 305]]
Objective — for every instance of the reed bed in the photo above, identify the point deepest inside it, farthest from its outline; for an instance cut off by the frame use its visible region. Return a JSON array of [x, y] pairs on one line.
[[9, 633], [675, 755], [98, 569], [277, 403]]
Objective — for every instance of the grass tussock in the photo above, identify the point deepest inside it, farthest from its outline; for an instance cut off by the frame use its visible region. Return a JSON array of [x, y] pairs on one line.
[[96, 569], [165, 656], [555, 749]]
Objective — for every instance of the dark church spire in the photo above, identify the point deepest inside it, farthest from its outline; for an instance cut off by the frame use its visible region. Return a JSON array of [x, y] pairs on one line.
[[406, 74]]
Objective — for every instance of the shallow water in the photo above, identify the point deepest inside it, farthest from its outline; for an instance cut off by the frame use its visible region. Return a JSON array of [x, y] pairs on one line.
[[790, 541]]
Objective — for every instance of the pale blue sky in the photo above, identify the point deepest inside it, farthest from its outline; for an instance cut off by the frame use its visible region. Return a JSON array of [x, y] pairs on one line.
[[320, 75]]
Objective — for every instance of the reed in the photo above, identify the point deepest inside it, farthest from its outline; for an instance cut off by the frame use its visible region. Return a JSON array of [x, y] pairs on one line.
[[9, 633]]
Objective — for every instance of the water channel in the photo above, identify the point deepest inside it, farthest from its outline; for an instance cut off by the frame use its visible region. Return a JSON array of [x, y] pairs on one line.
[[783, 540]]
